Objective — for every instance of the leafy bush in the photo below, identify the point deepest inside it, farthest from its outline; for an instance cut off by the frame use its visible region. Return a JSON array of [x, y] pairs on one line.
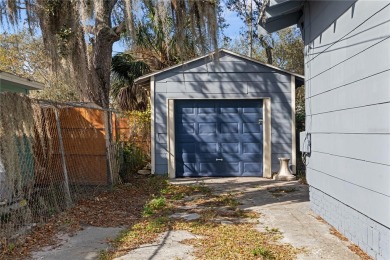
[[132, 160]]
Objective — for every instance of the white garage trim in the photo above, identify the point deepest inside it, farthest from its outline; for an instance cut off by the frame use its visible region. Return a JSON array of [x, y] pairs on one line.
[[267, 172], [152, 132], [171, 139], [266, 136], [293, 137]]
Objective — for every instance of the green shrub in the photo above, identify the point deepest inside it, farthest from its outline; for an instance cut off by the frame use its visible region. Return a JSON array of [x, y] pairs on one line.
[[132, 160], [154, 205]]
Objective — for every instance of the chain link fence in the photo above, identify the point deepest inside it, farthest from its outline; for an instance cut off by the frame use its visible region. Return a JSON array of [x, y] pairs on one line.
[[53, 154]]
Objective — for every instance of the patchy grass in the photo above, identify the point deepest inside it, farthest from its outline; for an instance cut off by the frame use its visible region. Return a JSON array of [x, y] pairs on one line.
[[223, 233], [180, 191], [263, 252], [154, 205], [217, 201], [104, 255], [273, 230]]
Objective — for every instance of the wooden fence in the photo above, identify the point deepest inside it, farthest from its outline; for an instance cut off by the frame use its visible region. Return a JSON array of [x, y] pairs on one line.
[[53, 154]]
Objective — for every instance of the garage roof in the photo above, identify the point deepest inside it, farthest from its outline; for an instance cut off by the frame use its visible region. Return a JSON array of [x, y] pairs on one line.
[[146, 77]]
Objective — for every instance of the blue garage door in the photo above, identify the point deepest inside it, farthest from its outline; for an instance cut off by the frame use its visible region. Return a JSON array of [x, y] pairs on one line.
[[219, 138]]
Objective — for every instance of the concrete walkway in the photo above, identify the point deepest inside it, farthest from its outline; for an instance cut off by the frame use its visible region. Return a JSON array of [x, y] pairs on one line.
[[85, 244], [283, 206]]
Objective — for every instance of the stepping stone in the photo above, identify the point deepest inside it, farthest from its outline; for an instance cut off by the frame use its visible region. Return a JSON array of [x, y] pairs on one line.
[[186, 216], [189, 207]]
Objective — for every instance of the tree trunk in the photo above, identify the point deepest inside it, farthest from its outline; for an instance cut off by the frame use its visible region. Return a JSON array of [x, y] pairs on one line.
[[88, 63], [100, 65]]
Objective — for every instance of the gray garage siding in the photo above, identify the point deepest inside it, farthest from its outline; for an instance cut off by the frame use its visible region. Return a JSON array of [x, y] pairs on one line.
[[348, 114], [230, 77]]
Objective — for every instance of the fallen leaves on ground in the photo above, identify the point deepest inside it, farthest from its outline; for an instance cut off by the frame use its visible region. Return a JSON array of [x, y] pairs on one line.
[[225, 231], [119, 206], [359, 252], [144, 207]]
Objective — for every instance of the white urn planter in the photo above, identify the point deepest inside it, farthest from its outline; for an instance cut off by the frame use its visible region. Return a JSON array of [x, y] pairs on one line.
[[284, 173]]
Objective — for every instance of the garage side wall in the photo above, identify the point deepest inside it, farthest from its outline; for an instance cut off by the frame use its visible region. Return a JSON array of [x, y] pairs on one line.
[[347, 108], [228, 78]]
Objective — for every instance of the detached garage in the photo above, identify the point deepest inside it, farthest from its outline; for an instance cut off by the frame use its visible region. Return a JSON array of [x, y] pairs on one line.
[[225, 116]]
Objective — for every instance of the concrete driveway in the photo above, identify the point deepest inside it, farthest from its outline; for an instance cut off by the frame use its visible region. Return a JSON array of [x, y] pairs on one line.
[[284, 206]]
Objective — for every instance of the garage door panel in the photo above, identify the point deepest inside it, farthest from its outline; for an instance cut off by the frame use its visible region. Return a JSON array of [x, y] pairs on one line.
[[196, 118], [238, 118], [207, 147], [196, 138], [252, 167], [219, 138], [207, 128], [229, 110], [250, 157], [206, 108], [186, 147], [219, 168], [229, 128], [229, 138], [252, 148], [188, 169], [252, 128], [252, 107], [230, 147], [197, 157]]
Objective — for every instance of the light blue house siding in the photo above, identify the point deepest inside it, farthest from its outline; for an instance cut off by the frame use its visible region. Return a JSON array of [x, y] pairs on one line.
[[348, 115], [229, 77], [347, 81]]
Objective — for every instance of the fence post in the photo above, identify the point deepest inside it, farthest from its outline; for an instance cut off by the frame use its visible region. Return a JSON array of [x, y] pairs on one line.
[[108, 139], [117, 130], [68, 198]]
